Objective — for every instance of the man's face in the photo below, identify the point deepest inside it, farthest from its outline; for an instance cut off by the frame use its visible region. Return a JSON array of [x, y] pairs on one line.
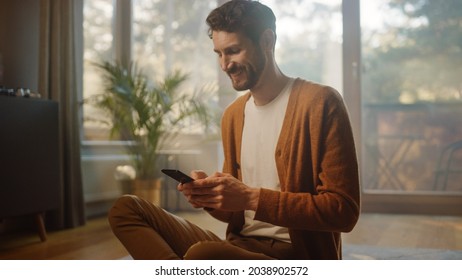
[[240, 58]]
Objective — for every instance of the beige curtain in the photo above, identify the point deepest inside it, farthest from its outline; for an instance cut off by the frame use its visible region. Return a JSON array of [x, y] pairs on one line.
[[59, 81]]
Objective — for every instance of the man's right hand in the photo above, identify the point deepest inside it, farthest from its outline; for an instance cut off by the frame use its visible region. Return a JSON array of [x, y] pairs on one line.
[[195, 174]]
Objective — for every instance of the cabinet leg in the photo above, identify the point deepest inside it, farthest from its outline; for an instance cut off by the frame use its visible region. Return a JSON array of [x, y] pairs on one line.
[[41, 227]]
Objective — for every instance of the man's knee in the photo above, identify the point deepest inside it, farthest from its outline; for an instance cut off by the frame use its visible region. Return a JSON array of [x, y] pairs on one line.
[[129, 208], [121, 208], [206, 250], [121, 203]]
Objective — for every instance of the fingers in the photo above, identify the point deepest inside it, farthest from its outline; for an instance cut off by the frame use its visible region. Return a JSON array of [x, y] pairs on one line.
[[208, 201], [218, 174], [194, 204], [198, 174], [206, 191]]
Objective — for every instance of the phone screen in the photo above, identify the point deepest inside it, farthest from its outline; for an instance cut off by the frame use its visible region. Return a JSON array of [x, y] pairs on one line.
[[177, 175]]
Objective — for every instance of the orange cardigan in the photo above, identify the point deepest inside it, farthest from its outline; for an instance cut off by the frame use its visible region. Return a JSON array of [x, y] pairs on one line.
[[317, 168]]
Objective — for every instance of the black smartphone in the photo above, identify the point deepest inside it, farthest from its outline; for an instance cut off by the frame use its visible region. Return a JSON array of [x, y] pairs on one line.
[[177, 175]]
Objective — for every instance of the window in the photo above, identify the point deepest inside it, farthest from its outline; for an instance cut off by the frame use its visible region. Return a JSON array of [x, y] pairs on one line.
[[412, 96], [309, 43], [170, 36], [98, 45]]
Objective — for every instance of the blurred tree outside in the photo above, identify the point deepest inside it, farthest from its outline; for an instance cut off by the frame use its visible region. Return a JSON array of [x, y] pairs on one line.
[[309, 39], [417, 56], [172, 35], [98, 46], [411, 92]]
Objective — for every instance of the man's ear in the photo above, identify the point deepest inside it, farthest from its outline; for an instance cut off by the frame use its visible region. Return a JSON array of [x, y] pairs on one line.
[[268, 40]]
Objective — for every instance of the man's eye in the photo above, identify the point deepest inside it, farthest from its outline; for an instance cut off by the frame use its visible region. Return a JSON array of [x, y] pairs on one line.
[[234, 51]]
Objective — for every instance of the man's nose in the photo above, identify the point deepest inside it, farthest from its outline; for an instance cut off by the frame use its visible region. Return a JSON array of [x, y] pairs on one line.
[[224, 63]]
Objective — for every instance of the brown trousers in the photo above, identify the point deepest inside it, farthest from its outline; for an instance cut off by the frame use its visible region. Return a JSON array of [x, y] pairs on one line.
[[149, 232]]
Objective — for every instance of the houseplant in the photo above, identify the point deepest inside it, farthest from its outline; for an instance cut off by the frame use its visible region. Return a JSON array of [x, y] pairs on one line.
[[145, 115]]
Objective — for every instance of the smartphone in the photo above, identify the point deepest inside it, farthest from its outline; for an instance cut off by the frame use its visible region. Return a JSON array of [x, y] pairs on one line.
[[177, 175]]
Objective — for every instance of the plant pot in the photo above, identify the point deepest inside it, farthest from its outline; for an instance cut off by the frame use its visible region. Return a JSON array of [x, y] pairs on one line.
[[126, 186], [148, 189]]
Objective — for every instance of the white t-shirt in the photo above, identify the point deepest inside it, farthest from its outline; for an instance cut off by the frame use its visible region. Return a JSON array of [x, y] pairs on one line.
[[262, 126]]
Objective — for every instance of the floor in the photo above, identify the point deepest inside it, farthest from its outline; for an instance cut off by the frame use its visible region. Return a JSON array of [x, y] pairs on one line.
[[373, 231]]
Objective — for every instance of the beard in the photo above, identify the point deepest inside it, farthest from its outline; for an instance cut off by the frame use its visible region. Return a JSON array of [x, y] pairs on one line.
[[245, 76]]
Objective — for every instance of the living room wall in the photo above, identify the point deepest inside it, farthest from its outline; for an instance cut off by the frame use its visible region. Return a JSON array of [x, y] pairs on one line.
[[19, 43]]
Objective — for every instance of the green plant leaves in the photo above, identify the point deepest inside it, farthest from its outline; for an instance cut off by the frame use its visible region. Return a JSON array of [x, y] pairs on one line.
[[148, 116]]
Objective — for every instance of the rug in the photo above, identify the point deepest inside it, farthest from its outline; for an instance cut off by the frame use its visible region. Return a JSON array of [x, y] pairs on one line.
[[365, 252]]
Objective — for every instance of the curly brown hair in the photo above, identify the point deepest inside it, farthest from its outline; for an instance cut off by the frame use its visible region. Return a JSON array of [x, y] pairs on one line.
[[251, 18]]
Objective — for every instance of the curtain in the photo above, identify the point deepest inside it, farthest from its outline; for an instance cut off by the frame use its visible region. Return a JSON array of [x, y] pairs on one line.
[[59, 81]]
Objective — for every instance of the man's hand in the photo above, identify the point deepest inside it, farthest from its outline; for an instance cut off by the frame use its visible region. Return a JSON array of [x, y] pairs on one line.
[[196, 174], [220, 191]]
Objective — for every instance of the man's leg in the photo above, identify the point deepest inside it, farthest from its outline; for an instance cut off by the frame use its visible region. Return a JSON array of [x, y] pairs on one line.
[[238, 247], [149, 232], [221, 250]]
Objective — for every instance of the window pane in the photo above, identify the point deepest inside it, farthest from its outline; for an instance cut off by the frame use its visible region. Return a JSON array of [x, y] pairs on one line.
[[98, 40], [412, 95], [309, 43], [171, 35]]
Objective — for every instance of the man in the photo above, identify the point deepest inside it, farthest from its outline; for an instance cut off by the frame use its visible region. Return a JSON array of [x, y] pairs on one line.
[[290, 177]]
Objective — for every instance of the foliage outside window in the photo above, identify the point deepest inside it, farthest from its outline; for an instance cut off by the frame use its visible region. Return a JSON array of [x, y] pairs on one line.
[[411, 95], [416, 54], [98, 45]]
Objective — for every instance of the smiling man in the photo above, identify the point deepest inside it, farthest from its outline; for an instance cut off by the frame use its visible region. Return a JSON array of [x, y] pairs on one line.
[[289, 184]]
